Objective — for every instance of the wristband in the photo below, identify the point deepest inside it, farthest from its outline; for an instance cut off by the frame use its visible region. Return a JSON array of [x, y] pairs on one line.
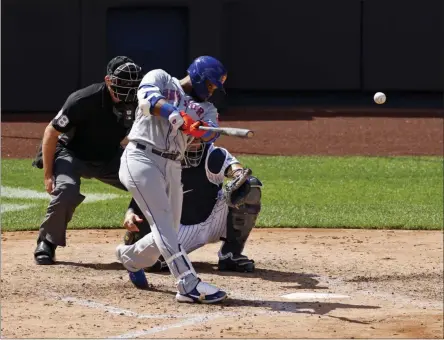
[[166, 109]]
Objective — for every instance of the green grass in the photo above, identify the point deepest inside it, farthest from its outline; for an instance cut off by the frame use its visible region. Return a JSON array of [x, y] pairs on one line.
[[350, 192], [20, 173]]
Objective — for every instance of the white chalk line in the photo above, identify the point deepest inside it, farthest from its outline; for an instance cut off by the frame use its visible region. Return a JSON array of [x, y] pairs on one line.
[[11, 192], [117, 310], [188, 322], [158, 329], [8, 207], [189, 319], [310, 296]]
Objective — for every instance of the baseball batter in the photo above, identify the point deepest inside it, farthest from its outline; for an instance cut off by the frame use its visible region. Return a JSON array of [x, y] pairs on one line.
[[168, 117], [207, 215]]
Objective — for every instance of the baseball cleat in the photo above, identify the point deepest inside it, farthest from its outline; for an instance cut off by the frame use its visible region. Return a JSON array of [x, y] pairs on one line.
[[236, 263], [202, 293], [138, 279]]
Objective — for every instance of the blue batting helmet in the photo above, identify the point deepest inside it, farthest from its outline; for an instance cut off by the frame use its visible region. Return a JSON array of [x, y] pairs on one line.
[[206, 68]]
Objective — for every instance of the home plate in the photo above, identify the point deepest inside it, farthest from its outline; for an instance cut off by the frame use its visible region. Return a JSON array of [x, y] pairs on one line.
[[305, 296]]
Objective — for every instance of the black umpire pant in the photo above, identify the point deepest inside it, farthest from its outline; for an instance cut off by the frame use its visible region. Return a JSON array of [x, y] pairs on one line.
[[66, 196]]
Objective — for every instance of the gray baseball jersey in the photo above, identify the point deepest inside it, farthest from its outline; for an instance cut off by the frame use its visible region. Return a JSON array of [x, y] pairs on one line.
[[156, 130]]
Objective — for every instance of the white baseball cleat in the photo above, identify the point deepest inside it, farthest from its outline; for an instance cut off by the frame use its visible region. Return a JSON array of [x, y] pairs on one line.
[[202, 293]]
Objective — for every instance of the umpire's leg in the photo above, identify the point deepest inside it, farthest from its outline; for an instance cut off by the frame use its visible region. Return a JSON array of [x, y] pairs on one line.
[[64, 200]]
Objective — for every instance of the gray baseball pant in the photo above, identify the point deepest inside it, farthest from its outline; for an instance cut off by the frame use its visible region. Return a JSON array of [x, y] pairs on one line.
[[66, 197], [155, 184]]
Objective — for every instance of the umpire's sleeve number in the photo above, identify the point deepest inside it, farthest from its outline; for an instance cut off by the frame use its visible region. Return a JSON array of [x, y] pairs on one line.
[[61, 119]]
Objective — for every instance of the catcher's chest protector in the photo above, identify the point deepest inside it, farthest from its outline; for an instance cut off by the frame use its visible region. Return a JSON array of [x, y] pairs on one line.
[[199, 195], [202, 184]]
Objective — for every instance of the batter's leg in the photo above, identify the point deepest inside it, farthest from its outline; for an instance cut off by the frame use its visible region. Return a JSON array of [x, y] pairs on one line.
[[109, 174], [143, 178]]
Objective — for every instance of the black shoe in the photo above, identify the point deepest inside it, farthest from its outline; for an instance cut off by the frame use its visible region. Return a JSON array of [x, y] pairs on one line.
[[44, 254], [158, 267], [236, 263]]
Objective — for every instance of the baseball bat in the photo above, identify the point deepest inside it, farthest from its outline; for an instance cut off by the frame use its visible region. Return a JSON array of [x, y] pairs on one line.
[[227, 131]]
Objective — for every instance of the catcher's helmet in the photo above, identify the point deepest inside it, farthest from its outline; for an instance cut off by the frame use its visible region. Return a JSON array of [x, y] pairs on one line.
[[125, 77], [206, 68]]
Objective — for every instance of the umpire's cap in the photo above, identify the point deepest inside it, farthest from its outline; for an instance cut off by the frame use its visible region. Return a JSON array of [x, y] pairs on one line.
[[125, 77]]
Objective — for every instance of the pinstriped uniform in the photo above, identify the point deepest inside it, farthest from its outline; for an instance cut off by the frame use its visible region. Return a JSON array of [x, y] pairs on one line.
[[212, 228]]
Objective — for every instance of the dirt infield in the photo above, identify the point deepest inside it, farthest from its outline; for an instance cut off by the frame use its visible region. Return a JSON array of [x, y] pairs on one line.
[[291, 132], [343, 283], [388, 284]]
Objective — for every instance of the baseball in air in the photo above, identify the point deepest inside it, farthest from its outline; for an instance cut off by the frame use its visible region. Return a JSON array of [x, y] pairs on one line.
[[379, 98]]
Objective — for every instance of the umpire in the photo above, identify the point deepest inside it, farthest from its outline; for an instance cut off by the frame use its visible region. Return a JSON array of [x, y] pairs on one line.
[[83, 140]]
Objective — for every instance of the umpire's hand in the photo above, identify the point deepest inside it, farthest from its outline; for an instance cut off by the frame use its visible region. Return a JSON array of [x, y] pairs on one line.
[[129, 221], [49, 184]]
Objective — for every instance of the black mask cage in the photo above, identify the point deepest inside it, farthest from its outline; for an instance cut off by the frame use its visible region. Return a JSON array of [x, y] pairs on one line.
[[194, 153], [125, 81]]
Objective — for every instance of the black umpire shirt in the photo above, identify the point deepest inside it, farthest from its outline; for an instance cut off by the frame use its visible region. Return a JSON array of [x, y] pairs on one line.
[[89, 127]]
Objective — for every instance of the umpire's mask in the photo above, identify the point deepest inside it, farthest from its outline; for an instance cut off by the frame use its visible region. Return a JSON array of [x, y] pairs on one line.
[[125, 80], [194, 153], [125, 77]]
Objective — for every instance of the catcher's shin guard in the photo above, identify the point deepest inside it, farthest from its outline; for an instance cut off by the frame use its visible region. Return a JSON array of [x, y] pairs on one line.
[[240, 222]]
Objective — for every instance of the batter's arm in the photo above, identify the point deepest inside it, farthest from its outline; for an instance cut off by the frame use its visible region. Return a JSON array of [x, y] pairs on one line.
[[152, 102], [210, 118]]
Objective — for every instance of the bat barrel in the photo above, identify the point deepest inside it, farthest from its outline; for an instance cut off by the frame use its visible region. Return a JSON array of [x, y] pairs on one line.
[[228, 131]]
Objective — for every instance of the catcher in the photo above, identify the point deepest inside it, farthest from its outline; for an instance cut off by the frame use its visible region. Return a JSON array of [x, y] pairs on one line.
[[211, 212]]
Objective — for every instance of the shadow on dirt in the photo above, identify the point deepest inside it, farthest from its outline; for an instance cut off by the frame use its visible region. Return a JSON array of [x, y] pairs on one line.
[[304, 280], [97, 266], [313, 308]]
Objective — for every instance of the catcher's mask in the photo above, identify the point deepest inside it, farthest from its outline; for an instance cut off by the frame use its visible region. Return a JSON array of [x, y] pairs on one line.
[[194, 153], [125, 81]]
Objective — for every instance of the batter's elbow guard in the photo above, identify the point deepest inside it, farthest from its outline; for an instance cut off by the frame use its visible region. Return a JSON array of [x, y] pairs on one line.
[[147, 101]]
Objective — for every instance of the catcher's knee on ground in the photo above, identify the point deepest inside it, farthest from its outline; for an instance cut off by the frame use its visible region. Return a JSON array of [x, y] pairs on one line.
[[240, 222]]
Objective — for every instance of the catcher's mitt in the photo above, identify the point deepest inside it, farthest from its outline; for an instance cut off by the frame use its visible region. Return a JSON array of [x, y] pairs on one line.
[[238, 188]]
